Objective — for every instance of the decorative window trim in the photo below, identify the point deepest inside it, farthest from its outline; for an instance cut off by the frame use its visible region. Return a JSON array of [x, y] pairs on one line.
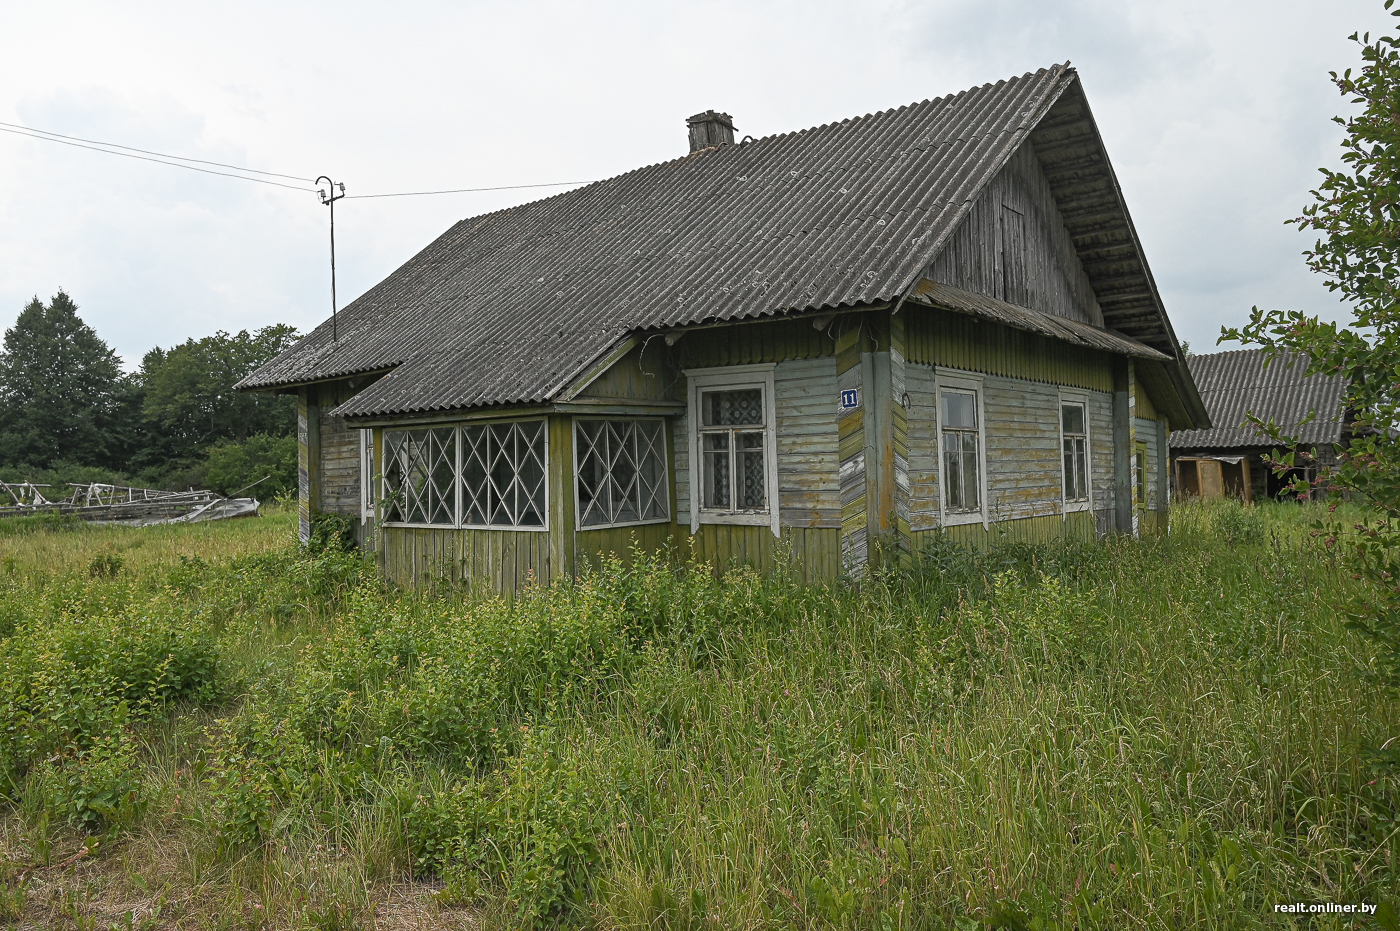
[[961, 381], [665, 474], [367, 477], [760, 376], [1071, 396], [458, 508]]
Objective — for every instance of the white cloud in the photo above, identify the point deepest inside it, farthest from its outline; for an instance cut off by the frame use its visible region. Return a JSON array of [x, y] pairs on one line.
[[1216, 116]]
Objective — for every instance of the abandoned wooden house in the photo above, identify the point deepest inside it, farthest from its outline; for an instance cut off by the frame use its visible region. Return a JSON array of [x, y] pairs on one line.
[[1227, 460], [827, 345]]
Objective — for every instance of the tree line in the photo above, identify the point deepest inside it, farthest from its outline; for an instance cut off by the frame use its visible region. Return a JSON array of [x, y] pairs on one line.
[[69, 413]]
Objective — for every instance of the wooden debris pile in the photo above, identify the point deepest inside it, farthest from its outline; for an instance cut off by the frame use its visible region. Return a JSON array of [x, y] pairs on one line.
[[119, 504]]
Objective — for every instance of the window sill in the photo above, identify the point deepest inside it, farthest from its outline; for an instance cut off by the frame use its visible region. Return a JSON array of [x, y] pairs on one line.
[[464, 527], [1074, 507], [755, 519], [585, 528], [957, 520]]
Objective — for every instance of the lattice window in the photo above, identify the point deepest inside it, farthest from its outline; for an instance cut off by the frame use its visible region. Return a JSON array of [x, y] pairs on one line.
[[420, 476], [621, 472], [503, 474]]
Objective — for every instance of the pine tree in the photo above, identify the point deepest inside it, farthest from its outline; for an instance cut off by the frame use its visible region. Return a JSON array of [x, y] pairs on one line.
[[59, 390]]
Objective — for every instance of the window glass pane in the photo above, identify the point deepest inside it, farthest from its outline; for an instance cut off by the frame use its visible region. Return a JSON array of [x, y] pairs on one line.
[[715, 468], [971, 486], [1073, 415], [952, 472], [751, 485], [727, 408], [960, 409], [1081, 470]]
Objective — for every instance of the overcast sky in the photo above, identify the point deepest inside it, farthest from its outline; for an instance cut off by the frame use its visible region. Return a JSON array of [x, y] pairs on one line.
[[1215, 114]]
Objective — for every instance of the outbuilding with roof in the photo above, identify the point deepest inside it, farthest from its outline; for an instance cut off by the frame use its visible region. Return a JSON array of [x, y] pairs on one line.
[[1232, 457]]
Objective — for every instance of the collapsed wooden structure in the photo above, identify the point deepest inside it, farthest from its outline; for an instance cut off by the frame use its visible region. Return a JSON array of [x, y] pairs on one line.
[[99, 502]]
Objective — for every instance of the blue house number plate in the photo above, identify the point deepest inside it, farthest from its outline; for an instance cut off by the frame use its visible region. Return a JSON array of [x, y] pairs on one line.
[[850, 398]]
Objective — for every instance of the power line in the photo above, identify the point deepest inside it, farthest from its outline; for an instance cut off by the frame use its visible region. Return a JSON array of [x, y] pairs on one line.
[[176, 161], [180, 158], [469, 190], [146, 158]]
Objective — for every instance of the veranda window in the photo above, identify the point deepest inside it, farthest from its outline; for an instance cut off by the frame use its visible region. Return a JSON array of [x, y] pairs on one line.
[[470, 476], [621, 472], [1074, 440], [961, 473]]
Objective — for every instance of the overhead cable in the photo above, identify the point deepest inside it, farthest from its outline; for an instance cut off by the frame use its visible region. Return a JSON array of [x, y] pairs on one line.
[[159, 161], [178, 161]]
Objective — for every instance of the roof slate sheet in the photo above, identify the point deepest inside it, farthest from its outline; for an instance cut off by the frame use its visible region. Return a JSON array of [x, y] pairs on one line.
[[510, 306], [1232, 384]]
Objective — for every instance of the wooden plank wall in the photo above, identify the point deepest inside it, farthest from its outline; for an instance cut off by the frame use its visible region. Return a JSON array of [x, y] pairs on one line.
[[495, 561], [923, 447], [1014, 233], [813, 553], [644, 374], [1022, 439], [1047, 529], [960, 341], [809, 493], [1101, 459], [336, 483], [852, 365]]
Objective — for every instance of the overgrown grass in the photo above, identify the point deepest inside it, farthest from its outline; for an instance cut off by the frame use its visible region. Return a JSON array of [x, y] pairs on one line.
[[1160, 734]]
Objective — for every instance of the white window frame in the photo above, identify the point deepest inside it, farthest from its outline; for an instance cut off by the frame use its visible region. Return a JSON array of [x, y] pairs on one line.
[[1081, 398], [665, 474], [962, 381], [734, 377], [367, 483], [457, 503]]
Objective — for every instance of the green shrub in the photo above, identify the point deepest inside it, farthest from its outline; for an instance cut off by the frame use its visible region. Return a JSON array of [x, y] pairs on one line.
[[230, 466], [93, 788], [331, 533]]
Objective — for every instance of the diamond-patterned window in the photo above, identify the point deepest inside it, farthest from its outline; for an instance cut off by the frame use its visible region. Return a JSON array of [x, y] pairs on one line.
[[621, 472], [420, 476], [476, 475], [503, 475]]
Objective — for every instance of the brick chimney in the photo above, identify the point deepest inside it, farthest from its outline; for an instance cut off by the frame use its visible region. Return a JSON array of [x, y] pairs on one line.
[[709, 129]]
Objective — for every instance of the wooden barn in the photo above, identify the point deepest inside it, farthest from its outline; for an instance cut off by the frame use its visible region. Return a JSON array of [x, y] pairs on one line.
[[824, 346], [1228, 460]]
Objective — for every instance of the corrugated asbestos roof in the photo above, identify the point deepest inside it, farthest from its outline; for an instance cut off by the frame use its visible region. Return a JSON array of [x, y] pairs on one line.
[[1036, 321], [1232, 384], [509, 307]]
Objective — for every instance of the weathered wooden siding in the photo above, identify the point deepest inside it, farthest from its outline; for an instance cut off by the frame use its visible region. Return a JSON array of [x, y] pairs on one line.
[[1146, 431], [813, 553], [590, 546], [1014, 246], [1022, 439], [644, 374], [1101, 459], [1047, 529], [805, 396], [493, 561], [939, 337], [336, 485], [853, 372], [923, 446], [746, 344], [809, 494]]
